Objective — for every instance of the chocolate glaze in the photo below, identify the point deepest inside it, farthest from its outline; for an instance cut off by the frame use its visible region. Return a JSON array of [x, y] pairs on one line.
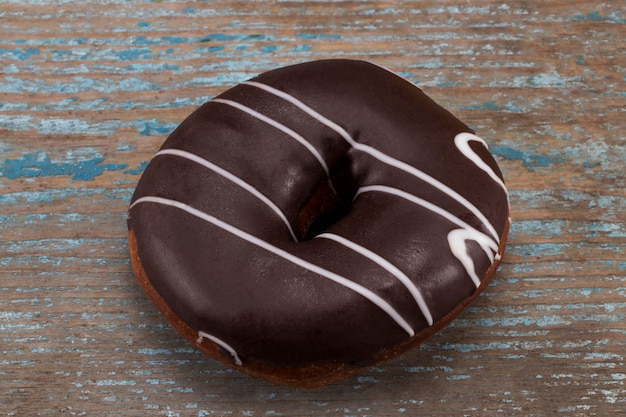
[[267, 308]]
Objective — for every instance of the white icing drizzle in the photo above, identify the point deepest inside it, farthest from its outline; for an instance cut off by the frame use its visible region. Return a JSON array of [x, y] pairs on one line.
[[278, 126], [401, 276], [371, 296], [226, 346], [462, 143], [379, 155], [480, 236], [230, 176], [456, 238]]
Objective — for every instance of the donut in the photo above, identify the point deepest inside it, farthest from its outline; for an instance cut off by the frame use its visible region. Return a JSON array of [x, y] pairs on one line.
[[316, 220]]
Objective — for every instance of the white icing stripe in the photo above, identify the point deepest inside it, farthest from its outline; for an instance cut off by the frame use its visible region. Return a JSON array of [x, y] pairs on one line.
[[230, 176], [382, 304], [220, 342], [462, 143], [288, 97], [432, 207], [401, 276], [380, 155], [278, 126], [456, 238], [437, 184]]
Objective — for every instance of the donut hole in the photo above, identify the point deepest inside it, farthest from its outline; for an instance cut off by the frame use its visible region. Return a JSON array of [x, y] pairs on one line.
[[326, 219], [330, 201]]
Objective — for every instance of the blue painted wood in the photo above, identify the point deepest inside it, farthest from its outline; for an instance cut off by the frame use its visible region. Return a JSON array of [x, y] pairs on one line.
[[88, 91]]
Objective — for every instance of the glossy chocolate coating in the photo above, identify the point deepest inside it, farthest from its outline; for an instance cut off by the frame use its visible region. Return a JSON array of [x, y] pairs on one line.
[[272, 310]]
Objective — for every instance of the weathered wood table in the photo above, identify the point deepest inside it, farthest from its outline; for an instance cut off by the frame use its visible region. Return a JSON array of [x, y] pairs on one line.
[[89, 90]]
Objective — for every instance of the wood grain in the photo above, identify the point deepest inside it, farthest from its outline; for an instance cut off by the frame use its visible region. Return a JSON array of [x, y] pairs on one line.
[[89, 90]]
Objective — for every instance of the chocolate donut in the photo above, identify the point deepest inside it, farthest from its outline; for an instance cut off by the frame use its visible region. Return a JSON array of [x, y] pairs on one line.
[[316, 220]]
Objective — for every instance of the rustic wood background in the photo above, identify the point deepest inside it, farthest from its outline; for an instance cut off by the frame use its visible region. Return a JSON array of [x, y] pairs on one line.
[[90, 89]]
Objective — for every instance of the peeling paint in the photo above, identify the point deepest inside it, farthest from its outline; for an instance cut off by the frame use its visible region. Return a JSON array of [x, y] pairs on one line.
[[38, 164]]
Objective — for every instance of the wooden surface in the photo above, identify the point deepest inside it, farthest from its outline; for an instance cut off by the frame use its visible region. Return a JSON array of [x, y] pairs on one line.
[[89, 90]]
